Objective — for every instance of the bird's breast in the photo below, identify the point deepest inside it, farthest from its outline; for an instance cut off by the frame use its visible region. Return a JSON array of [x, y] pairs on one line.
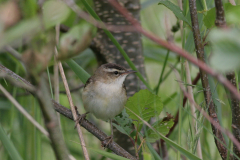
[[105, 101]]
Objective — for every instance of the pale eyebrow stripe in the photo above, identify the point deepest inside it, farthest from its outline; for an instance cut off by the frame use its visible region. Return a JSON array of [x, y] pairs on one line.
[[112, 70]]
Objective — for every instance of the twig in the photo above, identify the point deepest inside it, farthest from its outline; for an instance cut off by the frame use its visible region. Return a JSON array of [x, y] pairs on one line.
[[235, 114], [74, 89], [84, 123], [220, 19], [23, 111], [95, 22], [75, 116], [85, 152], [175, 49], [17, 83], [62, 92]]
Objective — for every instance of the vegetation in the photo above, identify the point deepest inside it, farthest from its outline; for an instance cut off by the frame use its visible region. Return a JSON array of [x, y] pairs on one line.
[[183, 101]]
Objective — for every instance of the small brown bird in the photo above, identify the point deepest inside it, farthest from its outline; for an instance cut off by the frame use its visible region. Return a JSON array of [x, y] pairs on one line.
[[104, 94]]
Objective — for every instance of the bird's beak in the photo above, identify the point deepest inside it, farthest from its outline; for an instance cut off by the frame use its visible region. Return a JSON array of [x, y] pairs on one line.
[[130, 71]]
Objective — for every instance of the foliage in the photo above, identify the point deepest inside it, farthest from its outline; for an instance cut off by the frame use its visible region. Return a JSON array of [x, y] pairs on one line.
[[34, 30], [145, 105]]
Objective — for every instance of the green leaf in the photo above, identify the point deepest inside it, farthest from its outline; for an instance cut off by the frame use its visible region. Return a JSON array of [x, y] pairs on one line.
[[153, 152], [189, 45], [8, 145], [175, 9], [162, 126], [19, 32], [226, 47], [168, 141], [209, 18], [232, 14], [78, 70], [54, 12], [124, 122], [107, 154], [144, 104]]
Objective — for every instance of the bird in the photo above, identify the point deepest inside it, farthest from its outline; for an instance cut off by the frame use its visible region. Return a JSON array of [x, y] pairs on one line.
[[104, 94]]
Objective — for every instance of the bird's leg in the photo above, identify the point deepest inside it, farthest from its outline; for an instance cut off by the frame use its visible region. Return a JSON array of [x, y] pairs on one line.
[[80, 118], [109, 137]]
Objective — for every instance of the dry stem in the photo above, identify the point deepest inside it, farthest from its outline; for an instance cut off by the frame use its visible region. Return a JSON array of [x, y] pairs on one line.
[[23, 111]]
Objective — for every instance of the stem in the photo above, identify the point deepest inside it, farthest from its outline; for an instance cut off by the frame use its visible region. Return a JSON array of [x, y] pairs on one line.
[[75, 116], [193, 110], [161, 76], [23, 111], [204, 77], [220, 19], [235, 114]]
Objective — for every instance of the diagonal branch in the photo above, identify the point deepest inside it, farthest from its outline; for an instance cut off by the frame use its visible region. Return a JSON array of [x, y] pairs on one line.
[[67, 113], [23, 111], [175, 49]]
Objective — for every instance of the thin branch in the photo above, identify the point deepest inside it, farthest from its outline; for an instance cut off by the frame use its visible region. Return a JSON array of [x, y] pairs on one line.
[[62, 92], [175, 49], [235, 114], [220, 19], [75, 116], [99, 24], [30, 88], [84, 123], [204, 78], [74, 89], [85, 152], [23, 111]]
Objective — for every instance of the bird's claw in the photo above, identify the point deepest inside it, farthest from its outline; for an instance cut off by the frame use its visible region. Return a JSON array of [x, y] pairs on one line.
[[80, 118], [108, 142]]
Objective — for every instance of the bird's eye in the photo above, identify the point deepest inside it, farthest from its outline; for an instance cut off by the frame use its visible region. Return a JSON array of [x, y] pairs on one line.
[[116, 72]]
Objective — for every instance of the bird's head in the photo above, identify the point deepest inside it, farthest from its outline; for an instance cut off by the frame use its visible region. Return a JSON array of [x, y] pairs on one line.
[[112, 73]]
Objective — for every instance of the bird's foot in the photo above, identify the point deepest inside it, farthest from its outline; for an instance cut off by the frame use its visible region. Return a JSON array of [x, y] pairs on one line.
[[80, 118], [105, 144]]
